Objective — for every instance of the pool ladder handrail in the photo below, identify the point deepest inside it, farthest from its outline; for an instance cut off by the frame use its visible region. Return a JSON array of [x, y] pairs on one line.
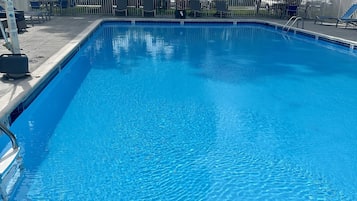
[[292, 21], [11, 135]]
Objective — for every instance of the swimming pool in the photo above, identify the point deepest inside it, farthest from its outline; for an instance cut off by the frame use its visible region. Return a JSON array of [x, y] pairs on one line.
[[194, 112]]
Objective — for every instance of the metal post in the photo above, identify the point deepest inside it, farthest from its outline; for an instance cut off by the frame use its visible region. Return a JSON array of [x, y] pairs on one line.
[[11, 22], [15, 65], [10, 135]]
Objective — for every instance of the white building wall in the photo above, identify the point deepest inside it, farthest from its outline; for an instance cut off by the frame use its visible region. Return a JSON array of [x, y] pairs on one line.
[[345, 4], [21, 4]]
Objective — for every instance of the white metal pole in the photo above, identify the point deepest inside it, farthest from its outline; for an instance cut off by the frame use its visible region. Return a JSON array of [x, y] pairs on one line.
[[11, 23]]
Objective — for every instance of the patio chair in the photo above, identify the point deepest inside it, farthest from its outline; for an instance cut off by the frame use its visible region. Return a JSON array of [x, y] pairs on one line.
[[37, 13], [345, 18], [19, 16], [65, 4], [35, 5], [20, 20], [222, 8], [291, 10], [195, 7], [122, 7], [149, 7]]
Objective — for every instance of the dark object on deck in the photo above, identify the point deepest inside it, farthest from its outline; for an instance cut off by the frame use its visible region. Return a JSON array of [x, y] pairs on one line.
[[149, 8], [222, 9], [291, 10], [180, 14], [37, 11], [122, 8], [195, 6], [20, 19], [14, 65], [63, 3], [35, 5]]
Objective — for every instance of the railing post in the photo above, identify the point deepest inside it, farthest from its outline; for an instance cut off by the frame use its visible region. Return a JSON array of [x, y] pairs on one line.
[[10, 135]]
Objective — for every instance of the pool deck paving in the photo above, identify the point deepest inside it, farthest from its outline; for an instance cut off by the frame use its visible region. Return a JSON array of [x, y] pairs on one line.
[[47, 43]]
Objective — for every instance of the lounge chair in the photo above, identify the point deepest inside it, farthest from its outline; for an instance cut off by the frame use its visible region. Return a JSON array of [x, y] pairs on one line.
[[195, 7], [222, 8], [149, 7], [122, 7], [345, 18]]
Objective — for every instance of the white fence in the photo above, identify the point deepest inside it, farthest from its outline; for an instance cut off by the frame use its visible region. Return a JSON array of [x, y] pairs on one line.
[[166, 8]]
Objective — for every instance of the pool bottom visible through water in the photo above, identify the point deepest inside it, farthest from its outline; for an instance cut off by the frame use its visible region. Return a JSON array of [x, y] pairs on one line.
[[195, 112]]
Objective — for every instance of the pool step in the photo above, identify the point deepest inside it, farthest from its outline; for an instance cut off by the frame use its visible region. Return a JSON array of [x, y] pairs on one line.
[[10, 171]]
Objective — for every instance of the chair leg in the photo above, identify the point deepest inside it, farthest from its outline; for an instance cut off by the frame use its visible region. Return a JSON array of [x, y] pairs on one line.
[[32, 22]]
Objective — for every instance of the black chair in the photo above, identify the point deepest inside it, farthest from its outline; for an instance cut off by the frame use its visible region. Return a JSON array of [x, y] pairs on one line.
[[222, 8], [291, 10], [195, 7], [122, 7], [20, 20], [149, 7]]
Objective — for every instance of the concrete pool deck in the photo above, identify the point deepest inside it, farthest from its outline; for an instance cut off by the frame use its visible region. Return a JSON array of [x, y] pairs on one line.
[[47, 43]]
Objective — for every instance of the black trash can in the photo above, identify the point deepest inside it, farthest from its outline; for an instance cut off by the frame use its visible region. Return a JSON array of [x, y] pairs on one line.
[[14, 64], [180, 14]]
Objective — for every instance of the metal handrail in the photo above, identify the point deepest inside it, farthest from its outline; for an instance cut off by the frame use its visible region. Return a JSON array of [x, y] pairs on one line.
[[11, 135], [295, 18]]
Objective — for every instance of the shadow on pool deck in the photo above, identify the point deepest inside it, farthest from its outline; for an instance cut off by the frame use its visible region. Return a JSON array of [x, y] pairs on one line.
[[42, 41]]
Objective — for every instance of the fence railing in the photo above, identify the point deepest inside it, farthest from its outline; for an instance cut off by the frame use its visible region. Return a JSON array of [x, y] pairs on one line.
[[308, 9]]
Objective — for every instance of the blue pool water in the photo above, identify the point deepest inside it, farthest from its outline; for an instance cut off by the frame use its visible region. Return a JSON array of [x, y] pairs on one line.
[[194, 112]]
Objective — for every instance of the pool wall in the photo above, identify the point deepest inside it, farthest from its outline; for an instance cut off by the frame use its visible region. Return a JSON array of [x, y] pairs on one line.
[[25, 91]]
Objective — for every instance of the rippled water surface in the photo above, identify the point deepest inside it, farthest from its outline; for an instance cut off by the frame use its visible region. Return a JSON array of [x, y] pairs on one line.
[[169, 112]]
